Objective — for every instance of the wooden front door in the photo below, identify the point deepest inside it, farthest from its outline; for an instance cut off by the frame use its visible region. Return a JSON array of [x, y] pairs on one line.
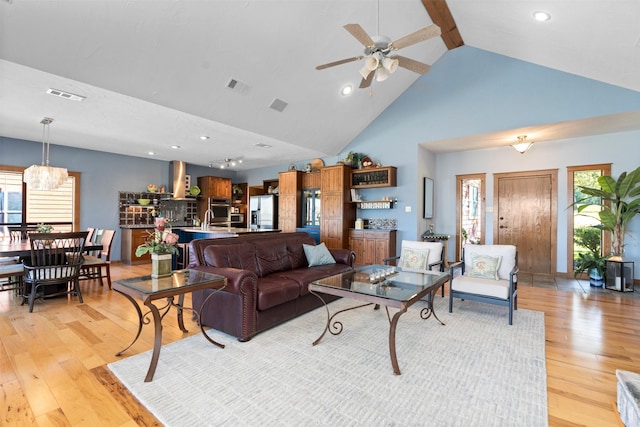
[[525, 216]]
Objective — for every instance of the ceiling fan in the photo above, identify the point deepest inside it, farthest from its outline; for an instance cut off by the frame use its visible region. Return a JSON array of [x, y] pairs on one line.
[[379, 53]]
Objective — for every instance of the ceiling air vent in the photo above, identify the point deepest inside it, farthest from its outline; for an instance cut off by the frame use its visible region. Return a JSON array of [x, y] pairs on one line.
[[237, 86], [66, 95], [278, 105]]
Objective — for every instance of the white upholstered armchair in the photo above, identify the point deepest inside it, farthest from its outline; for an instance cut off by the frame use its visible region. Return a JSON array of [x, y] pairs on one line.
[[489, 273], [419, 257]]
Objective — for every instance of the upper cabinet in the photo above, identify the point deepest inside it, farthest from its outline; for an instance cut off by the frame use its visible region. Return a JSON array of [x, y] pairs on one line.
[[215, 187], [374, 177]]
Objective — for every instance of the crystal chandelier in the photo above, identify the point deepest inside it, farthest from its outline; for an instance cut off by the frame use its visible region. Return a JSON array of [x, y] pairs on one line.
[[43, 176]]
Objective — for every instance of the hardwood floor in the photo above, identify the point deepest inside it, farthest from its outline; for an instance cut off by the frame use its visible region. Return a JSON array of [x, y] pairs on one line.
[[52, 361]]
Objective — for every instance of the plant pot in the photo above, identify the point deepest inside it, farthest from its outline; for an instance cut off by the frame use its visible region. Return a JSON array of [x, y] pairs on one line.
[[160, 265], [595, 278]]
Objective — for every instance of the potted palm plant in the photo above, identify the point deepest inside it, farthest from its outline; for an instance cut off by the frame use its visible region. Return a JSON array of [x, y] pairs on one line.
[[619, 202]]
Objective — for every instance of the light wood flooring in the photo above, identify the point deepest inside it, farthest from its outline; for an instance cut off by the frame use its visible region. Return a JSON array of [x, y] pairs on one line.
[[52, 361]]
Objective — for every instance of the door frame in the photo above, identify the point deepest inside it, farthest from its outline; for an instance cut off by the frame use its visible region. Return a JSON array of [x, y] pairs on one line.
[[553, 174]]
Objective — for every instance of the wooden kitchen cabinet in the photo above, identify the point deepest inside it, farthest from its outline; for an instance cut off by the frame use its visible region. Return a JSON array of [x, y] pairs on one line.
[[215, 187], [372, 246], [130, 240], [290, 201], [337, 213]]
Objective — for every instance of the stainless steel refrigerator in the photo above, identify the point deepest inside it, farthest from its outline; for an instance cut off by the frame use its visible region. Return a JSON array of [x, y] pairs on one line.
[[263, 212]]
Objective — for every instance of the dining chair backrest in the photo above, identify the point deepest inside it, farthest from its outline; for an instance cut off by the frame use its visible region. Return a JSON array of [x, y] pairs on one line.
[[91, 231], [107, 240], [57, 249]]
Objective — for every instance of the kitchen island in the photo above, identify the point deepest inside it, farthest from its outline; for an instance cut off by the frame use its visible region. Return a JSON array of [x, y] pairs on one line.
[[187, 234]]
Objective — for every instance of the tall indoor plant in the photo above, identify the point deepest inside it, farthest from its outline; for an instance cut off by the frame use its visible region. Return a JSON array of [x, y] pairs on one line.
[[619, 201]]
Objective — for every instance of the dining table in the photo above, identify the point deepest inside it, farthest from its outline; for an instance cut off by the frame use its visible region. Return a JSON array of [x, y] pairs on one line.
[[22, 248]]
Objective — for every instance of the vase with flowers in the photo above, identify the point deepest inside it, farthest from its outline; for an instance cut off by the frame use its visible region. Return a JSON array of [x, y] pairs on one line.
[[161, 244]]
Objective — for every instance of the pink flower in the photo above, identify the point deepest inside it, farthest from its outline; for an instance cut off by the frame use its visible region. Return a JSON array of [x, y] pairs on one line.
[[160, 224], [170, 238]]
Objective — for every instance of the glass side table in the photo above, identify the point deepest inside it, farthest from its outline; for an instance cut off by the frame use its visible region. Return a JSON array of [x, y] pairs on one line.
[[619, 275]]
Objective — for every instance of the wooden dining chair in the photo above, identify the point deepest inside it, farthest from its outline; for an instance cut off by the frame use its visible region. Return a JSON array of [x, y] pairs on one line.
[[11, 276], [93, 264], [91, 232], [56, 259]]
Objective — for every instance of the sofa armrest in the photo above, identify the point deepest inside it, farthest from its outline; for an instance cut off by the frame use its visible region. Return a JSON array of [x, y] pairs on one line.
[[241, 282], [343, 256]]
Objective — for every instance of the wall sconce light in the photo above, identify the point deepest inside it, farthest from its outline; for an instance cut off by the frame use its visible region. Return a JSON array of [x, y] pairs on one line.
[[522, 145]]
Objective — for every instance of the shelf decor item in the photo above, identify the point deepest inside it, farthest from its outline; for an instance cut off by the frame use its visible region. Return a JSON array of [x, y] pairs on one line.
[[161, 244]]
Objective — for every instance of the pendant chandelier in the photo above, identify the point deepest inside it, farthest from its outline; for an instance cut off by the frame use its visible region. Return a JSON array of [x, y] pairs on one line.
[[43, 176]]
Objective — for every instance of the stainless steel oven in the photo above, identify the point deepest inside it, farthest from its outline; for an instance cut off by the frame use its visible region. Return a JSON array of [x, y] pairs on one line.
[[220, 210]]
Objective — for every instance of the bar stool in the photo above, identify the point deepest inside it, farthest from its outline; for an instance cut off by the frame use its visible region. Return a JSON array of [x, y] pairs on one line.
[[182, 260]]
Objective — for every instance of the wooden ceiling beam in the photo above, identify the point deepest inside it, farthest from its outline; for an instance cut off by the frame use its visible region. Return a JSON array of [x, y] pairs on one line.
[[441, 16]]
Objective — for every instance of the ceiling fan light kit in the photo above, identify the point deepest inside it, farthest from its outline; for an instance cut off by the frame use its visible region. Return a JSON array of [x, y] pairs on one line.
[[379, 56]]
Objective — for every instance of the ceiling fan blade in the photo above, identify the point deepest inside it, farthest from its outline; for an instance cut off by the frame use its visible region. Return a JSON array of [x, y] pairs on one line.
[[342, 61], [413, 65], [359, 33], [367, 82], [425, 33]]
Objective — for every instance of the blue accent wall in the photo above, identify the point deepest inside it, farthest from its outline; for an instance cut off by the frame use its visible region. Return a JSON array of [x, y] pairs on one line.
[[468, 92]]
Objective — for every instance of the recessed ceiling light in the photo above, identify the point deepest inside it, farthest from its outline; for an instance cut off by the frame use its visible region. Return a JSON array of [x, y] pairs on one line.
[[204, 137], [346, 90], [541, 16], [175, 147], [151, 153]]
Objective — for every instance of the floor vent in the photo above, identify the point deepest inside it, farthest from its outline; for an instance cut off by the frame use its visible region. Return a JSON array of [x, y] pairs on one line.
[[66, 95], [278, 105]]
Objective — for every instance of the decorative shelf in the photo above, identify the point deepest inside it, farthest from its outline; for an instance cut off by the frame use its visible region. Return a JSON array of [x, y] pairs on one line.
[[374, 204], [374, 177]]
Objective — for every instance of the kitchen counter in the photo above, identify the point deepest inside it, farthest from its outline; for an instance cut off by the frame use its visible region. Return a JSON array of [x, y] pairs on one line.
[[228, 231]]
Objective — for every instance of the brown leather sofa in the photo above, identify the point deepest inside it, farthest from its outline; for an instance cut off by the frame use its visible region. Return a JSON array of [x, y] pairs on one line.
[[267, 280]]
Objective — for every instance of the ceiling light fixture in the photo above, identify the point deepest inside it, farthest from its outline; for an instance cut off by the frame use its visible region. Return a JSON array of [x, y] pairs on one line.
[[175, 147], [522, 145], [346, 90], [541, 16], [44, 177], [229, 163], [204, 137]]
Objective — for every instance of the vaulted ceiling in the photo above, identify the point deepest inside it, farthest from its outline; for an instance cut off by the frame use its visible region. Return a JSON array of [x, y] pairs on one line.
[[158, 73]]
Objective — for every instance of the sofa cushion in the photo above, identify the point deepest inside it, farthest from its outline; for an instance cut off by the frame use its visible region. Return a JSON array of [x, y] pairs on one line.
[[474, 285], [484, 266], [318, 255], [274, 290], [304, 276], [272, 257], [242, 256]]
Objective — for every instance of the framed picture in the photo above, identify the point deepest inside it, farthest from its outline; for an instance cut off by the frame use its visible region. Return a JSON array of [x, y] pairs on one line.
[[428, 198]]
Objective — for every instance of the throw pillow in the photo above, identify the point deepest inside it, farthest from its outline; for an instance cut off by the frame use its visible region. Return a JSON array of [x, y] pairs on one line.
[[318, 255], [484, 266], [412, 259]]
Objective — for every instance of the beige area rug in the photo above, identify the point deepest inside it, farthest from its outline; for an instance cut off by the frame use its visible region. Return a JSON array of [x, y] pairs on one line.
[[474, 371]]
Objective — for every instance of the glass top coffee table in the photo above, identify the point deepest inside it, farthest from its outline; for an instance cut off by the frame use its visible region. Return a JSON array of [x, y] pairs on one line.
[[148, 289], [380, 285]]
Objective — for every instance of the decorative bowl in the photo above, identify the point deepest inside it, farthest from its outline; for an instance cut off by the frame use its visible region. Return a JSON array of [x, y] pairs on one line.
[[144, 202], [152, 188], [194, 190]]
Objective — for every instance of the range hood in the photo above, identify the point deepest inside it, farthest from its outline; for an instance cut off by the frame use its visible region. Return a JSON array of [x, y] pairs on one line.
[[178, 174]]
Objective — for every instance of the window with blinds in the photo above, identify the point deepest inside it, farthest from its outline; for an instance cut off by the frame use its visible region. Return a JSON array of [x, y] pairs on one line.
[[52, 206], [41, 206]]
